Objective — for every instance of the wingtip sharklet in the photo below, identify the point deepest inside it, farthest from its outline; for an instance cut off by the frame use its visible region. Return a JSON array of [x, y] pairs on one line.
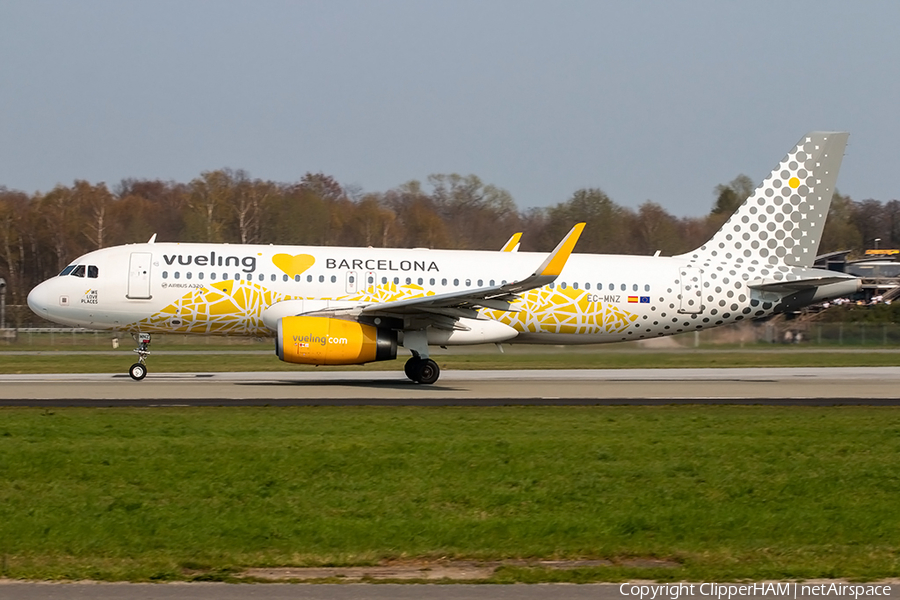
[[513, 243], [554, 264]]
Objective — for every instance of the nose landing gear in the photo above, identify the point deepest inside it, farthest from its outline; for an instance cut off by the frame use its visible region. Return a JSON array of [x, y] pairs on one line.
[[139, 369]]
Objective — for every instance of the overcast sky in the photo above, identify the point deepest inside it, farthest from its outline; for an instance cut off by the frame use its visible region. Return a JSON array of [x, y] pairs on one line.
[[645, 100]]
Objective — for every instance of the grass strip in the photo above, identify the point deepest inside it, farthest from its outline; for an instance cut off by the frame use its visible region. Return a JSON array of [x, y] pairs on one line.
[[728, 492]]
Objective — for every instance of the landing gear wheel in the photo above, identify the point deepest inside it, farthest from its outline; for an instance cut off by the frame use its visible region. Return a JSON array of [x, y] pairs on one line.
[[137, 371], [412, 367], [422, 370], [428, 372]]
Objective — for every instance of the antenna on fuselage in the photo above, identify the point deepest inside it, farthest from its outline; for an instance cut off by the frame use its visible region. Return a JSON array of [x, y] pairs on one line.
[[152, 239]]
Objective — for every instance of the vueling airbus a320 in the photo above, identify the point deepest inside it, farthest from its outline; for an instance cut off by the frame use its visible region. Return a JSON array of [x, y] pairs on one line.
[[348, 306]]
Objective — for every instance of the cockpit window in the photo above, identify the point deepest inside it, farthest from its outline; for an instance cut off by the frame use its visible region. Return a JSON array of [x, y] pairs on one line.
[[67, 270], [93, 272], [78, 271]]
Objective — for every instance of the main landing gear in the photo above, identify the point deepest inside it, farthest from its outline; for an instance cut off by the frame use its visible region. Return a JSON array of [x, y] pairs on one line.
[[139, 369], [422, 370]]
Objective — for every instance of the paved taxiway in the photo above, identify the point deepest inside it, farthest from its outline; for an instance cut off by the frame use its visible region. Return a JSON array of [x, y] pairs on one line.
[[823, 386]]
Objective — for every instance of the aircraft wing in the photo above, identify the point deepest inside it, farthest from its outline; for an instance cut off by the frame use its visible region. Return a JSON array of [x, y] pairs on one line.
[[442, 310], [495, 297]]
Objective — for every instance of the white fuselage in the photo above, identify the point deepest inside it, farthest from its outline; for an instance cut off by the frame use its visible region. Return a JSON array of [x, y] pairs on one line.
[[227, 289]]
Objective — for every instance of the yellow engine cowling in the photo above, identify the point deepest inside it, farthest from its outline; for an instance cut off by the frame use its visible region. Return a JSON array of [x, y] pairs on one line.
[[326, 341]]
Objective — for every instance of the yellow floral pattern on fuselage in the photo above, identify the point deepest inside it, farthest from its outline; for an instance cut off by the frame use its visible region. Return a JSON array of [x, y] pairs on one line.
[[226, 308], [546, 310], [235, 308]]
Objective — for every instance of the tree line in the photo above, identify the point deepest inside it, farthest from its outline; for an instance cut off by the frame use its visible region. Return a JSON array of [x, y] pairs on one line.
[[40, 233]]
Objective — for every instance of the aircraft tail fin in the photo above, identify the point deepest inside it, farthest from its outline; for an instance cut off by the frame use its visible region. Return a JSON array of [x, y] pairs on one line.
[[781, 223]]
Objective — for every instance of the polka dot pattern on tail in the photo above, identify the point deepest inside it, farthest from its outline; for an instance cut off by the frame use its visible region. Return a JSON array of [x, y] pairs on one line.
[[781, 223]]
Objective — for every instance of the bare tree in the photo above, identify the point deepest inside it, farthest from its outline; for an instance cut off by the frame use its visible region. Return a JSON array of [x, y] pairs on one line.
[[94, 202], [210, 196]]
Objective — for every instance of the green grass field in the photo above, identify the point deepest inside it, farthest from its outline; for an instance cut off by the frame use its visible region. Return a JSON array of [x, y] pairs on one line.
[[728, 492]]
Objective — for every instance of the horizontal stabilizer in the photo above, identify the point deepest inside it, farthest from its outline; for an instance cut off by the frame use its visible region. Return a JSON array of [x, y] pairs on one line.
[[796, 285]]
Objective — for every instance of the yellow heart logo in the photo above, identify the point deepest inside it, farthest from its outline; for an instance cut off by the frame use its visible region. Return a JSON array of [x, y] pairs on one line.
[[293, 265]]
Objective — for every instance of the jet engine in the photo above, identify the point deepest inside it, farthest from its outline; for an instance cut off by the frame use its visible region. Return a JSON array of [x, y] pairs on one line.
[[328, 341]]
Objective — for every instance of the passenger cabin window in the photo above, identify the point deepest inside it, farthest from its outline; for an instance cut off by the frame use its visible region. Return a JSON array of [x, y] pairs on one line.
[[93, 272], [78, 271]]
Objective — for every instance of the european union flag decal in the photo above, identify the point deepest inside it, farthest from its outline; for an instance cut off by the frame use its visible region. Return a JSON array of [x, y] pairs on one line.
[[645, 299]]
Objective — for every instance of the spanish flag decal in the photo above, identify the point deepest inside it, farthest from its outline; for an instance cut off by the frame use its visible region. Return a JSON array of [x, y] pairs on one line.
[[632, 299]]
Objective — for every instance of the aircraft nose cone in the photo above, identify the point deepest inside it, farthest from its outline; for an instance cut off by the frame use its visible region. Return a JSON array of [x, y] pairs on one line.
[[39, 299]]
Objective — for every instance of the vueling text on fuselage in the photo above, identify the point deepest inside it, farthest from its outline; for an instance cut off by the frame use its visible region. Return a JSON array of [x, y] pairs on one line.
[[380, 264], [248, 262]]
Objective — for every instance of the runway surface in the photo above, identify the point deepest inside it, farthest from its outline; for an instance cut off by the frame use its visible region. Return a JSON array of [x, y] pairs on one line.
[[792, 386]]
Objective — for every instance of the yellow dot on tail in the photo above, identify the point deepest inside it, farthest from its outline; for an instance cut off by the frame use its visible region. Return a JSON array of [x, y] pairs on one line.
[[794, 182]]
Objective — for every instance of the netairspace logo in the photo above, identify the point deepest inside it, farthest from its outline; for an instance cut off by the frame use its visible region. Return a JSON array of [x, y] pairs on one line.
[[673, 591]]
